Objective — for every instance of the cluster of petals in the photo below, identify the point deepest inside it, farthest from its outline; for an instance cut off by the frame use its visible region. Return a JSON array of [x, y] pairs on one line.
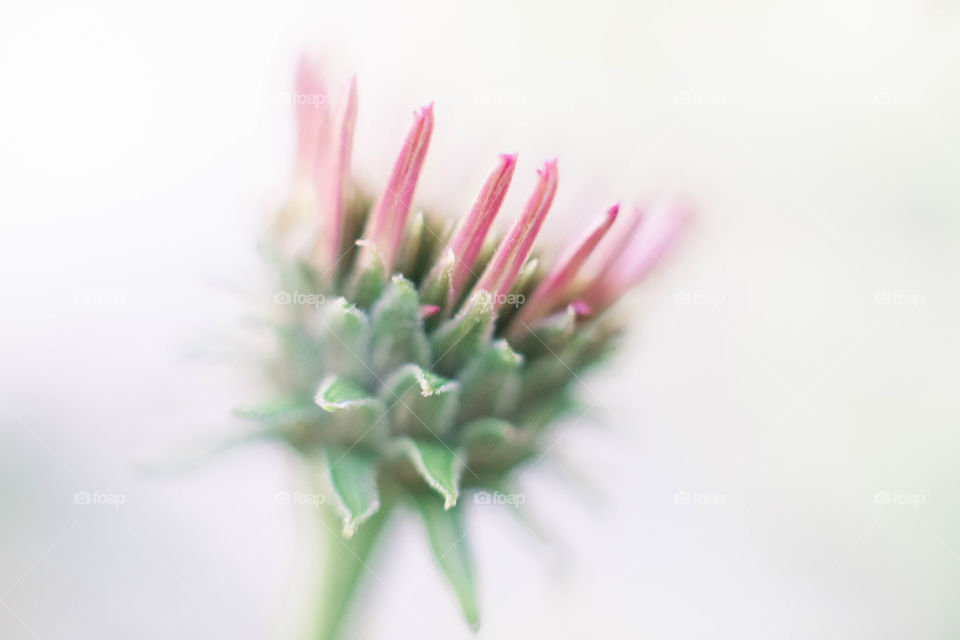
[[613, 254]]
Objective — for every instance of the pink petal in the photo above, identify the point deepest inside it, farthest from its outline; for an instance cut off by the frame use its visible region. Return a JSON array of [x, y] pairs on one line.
[[502, 270], [581, 308], [555, 284], [309, 102], [468, 239], [610, 251], [642, 253], [332, 182], [386, 223]]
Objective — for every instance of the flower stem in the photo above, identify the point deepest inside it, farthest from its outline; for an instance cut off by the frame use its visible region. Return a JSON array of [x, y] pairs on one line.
[[345, 562]]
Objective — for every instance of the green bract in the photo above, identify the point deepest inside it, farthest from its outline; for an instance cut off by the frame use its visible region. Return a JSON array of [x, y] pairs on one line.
[[396, 407]]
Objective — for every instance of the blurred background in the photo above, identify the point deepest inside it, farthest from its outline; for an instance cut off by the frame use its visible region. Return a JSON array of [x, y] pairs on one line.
[[773, 454]]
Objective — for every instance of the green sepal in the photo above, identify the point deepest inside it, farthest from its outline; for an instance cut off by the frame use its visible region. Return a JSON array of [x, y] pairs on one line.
[[551, 334], [295, 418], [410, 245], [459, 339], [436, 287], [370, 277], [396, 328], [353, 477], [490, 383], [420, 402], [438, 465], [527, 278], [436, 231], [489, 247], [488, 432], [356, 417], [493, 446], [346, 340], [448, 542], [556, 369]]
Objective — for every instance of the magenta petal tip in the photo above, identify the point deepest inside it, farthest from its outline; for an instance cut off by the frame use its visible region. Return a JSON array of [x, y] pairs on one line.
[[502, 270], [581, 308]]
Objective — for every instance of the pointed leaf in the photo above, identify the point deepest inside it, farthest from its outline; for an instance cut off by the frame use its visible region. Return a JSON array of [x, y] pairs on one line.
[[551, 334], [396, 335], [355, 415], [346, 341], [448, 542], [280, 411], [488, 431], [420, 402], [494, 446], [490, 383], [438, 465], [295, 419], [354, 479], [464, 335]]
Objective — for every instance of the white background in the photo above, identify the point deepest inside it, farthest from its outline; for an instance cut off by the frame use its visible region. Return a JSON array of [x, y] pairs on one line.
[[142, 149]]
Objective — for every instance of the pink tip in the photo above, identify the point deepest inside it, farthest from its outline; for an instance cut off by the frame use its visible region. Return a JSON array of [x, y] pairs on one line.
[[646, 249], [581, 308], [468, 239], [331, 183], [428, 310], [386, 223], [556, 284], [503, 268], [611, 250], [642, 252]]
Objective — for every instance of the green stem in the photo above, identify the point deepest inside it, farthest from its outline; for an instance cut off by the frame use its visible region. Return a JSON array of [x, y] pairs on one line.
[[344, 564]]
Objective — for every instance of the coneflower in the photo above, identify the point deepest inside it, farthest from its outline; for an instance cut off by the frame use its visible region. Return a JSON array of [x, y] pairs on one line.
[[438, 358]]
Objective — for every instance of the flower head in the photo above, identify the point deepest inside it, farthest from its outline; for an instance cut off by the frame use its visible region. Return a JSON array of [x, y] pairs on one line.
[[435, 360]]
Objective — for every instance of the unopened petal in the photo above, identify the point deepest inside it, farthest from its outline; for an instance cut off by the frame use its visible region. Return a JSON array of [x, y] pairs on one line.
[[468, 239], [555, 285], [502, 270], [385, 226]]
